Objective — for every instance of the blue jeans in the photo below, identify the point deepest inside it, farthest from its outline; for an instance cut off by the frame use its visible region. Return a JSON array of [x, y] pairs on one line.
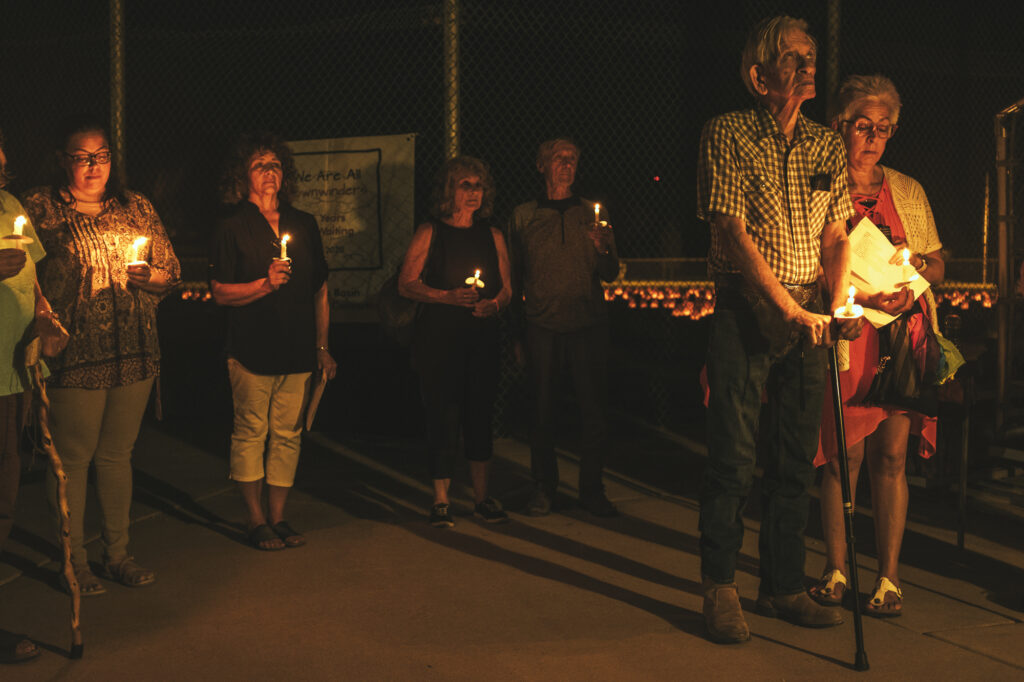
[[740, 369]]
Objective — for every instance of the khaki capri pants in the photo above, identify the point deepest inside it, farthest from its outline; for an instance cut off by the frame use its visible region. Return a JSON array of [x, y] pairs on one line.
[[266, 404]]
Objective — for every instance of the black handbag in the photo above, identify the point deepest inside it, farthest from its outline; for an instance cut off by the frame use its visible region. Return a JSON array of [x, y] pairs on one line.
[[396, 312], [899, 381]]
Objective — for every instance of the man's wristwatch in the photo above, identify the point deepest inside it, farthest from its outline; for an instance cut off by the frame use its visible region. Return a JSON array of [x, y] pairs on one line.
[[924, 262]]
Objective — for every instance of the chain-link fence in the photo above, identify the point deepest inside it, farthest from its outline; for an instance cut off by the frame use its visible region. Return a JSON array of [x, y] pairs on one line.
[[632, 82]]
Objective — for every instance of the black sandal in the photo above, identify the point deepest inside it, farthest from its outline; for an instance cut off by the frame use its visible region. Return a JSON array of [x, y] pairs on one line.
[[261, 534], [290, 536]]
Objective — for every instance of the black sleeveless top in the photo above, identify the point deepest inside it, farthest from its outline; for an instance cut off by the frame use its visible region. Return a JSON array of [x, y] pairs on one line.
[[457, 253]]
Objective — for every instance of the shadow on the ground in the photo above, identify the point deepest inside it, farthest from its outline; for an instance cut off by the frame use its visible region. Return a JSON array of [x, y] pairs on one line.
[[354, 487], [177, 504]]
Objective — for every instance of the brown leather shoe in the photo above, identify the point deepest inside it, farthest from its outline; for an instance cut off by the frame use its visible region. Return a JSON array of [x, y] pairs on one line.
[[798, 609], [722, 613]]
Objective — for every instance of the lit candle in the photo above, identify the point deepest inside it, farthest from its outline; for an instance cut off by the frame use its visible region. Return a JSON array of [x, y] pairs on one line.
[[597, 214], [475, 280], [137, 246], [851, 310], [284, 246], [909, 271], [19, 226]]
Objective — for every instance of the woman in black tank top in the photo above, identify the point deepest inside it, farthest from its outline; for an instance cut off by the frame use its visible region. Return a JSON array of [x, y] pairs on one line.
[[457, 266]]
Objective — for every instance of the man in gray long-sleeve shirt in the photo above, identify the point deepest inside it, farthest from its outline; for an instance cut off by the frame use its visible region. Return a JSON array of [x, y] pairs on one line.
[[559, 255]]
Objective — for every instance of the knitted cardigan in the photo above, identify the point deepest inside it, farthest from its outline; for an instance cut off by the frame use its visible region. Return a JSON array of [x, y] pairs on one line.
[[919, 225]]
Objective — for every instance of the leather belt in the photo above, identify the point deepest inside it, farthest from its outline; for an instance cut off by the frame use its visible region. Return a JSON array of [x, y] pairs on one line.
[[801, 293]]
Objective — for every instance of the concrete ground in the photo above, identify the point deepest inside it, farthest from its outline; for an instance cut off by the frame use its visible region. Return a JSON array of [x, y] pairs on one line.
[[378, 594]]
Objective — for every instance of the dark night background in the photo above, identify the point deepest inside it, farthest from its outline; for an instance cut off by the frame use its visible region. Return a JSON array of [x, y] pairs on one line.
[[632, 82]]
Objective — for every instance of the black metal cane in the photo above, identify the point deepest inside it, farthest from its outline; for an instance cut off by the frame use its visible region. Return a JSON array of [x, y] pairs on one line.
[[861, 660]]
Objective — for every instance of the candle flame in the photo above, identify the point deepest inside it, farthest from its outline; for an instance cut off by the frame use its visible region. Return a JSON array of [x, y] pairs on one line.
[[853, 291], [19, 222], [285, 237], [906, 256], [139, 243], [476, 274]]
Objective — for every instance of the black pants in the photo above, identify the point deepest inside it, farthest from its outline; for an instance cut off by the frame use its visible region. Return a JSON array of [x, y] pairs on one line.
[[585, 354], [457, 363]]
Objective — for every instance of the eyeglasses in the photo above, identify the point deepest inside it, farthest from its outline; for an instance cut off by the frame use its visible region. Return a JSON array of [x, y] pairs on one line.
[[863, 127], [102, 158]]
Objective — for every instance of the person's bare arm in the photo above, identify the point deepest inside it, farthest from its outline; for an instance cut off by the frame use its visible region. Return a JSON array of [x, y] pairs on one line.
[[835, 261], [411, 286], [244, 293], [11, 262], [745, 257], [51, 332], [491, 306], [322, 310]]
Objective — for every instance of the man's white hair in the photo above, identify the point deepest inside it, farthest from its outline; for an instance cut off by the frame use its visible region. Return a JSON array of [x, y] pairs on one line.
[[764, 44]]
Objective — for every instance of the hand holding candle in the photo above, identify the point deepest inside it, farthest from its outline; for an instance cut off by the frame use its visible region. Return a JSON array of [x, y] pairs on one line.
[[851, 310], [600, 231], [475, 281], [17, 234], [134, 254]]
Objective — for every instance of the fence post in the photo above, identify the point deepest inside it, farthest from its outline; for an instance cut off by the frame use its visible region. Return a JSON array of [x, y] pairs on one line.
[[832, 57], [117, 83], [450, 19], [1004, 227]]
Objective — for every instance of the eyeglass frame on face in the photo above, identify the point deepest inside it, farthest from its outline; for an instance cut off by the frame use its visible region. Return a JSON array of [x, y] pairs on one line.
[[86, 160], [874, 128]]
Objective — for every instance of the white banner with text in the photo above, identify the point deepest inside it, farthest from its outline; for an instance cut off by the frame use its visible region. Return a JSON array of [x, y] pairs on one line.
[[360, 189]]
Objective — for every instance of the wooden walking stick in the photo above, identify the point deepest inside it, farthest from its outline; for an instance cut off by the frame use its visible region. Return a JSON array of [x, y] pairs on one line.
[[43, 412], [861, 660]]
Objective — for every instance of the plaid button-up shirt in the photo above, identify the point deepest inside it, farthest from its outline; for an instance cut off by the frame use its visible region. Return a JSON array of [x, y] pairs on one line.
[[785, 193]]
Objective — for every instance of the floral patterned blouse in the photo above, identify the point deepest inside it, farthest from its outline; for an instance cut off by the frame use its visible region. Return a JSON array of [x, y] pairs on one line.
[[113, 326]]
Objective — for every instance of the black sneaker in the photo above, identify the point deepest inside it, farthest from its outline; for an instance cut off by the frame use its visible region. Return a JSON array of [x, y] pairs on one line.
[[490, 511], [440, 517], [599, 505]]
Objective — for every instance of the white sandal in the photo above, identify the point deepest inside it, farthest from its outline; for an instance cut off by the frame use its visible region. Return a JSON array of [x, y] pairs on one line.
[[831, 589], [878, 607]]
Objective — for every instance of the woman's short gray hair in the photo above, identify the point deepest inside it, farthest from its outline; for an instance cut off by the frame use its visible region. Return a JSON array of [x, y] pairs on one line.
[[858, 89], [764, 44]]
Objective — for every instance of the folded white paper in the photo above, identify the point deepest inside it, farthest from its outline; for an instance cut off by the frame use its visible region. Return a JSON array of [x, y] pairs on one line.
[[871, 269]]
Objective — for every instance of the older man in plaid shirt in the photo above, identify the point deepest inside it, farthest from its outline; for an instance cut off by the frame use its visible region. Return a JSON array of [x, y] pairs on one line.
[[773, 186]]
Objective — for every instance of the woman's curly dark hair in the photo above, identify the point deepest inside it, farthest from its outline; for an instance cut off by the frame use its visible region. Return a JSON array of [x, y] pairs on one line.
[[442, 202], [75, 126], [235, 177]]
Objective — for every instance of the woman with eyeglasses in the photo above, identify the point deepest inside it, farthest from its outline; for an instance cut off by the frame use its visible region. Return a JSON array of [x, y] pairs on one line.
[[104, 282], [868, 112], [458, 267]]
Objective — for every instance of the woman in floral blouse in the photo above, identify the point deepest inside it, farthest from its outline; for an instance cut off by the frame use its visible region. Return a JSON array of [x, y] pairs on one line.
[[105, 283]]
